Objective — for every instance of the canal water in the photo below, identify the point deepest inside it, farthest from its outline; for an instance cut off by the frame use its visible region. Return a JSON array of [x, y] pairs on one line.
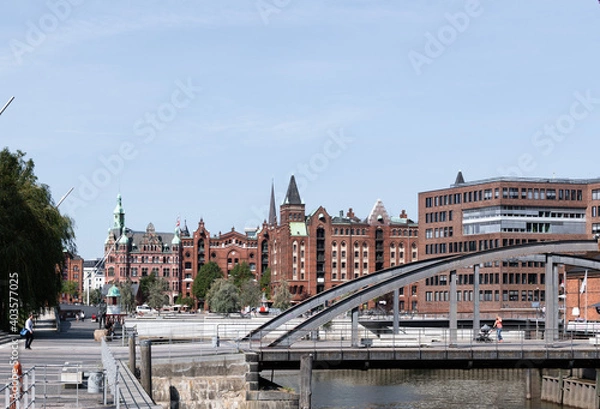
[[416, 389]]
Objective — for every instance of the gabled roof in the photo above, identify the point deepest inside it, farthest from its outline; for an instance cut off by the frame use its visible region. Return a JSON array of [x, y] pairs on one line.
[[379, 214]]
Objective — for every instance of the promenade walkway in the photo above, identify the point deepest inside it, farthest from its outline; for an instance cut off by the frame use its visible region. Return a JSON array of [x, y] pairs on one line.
[[51, 350]]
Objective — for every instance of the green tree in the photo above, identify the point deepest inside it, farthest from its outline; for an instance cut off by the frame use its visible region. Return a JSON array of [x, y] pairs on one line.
[[70, 288], [265, 282], [206, 276], [282, 298], [240, 274], [250, 294], [189, 301], [223, 297], [156, 294], [145, 283], [127, 296], [33, 235], [95, 296]]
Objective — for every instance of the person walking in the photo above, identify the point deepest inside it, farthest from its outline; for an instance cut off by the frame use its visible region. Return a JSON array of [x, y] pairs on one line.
[[498, 326], [29, 328]]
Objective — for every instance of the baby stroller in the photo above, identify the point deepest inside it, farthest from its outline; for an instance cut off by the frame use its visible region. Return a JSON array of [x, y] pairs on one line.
[[484, 334]]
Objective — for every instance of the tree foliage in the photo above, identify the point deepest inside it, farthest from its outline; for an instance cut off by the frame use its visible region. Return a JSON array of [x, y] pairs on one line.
[[33, 236], [207, 274], [95, 296], [282, 298], [250, 294], [70, 288], [145, 283], [265, 282], [156, 293], [240, 274], [188, 301], [223, 296], [127, 296]]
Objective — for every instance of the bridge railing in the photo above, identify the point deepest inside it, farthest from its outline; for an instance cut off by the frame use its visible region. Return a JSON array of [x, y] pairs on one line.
[[410, 337]]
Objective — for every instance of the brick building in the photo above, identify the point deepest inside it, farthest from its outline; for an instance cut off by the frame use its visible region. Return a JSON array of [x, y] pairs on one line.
[[500, 212], [72, 271], [317, 251], [312, 252], [136, 254], [227, 250]]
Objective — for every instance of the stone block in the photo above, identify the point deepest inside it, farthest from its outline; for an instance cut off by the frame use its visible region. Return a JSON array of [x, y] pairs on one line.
[[99, 334]]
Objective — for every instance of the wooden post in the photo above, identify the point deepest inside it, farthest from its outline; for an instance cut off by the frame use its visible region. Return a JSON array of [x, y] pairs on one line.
[[132, 353], [146, 366], [306, 363]]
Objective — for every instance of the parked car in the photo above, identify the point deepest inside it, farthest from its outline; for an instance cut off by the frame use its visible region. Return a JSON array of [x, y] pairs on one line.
[[143, 309]]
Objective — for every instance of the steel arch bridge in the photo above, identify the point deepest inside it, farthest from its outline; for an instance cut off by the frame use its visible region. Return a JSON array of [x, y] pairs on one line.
[[358, 291]]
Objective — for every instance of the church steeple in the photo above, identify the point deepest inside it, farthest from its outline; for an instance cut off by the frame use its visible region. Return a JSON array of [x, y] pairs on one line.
[[272, 208], [293, 196], [292, 208]]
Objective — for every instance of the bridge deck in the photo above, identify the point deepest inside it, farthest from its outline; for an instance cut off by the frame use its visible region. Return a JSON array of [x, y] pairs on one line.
[[504, 355]]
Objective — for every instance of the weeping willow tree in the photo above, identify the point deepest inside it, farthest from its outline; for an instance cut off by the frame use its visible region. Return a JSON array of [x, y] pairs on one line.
[[33, 236]]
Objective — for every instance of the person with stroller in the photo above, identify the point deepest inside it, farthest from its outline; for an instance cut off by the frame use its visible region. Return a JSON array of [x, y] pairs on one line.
[[498, 326]]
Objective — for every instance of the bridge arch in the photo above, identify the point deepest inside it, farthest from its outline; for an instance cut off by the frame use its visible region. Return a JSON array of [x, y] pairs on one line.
[[385, 281]]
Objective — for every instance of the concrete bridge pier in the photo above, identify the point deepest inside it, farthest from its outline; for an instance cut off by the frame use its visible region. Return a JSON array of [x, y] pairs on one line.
[[453, 318], [355, 327], [551, 324], [396, 311], [476, 320]]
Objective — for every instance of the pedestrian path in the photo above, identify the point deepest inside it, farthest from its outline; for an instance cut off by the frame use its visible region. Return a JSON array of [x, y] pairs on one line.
[[63, 358]]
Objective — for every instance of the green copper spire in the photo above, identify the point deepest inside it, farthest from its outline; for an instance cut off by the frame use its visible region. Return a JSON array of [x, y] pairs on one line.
[[119, 215], [176, 240]]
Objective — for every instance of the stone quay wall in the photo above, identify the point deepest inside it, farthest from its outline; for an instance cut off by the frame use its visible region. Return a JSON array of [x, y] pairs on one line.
[[215, 382]]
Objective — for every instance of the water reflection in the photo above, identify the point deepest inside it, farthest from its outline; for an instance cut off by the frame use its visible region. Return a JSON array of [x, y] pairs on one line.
[[417, 389]]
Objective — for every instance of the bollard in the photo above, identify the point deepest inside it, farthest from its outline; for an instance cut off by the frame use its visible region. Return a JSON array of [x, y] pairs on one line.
[[132, 353], [146, 366], [306, 363]]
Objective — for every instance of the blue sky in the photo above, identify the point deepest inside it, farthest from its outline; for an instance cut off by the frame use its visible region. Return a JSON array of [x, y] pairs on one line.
[[191, 109]]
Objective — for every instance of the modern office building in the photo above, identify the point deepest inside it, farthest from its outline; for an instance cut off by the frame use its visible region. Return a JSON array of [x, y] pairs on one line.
[[487, 214], [93, 275]]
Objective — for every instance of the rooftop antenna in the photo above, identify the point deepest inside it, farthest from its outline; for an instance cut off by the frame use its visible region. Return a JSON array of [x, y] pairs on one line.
[[6, 105]]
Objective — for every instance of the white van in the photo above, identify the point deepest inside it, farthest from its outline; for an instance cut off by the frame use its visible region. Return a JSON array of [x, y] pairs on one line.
[[143, 309]]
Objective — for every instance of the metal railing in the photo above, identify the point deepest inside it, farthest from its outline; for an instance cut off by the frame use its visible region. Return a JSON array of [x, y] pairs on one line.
[[111, 369], [19, 393]]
